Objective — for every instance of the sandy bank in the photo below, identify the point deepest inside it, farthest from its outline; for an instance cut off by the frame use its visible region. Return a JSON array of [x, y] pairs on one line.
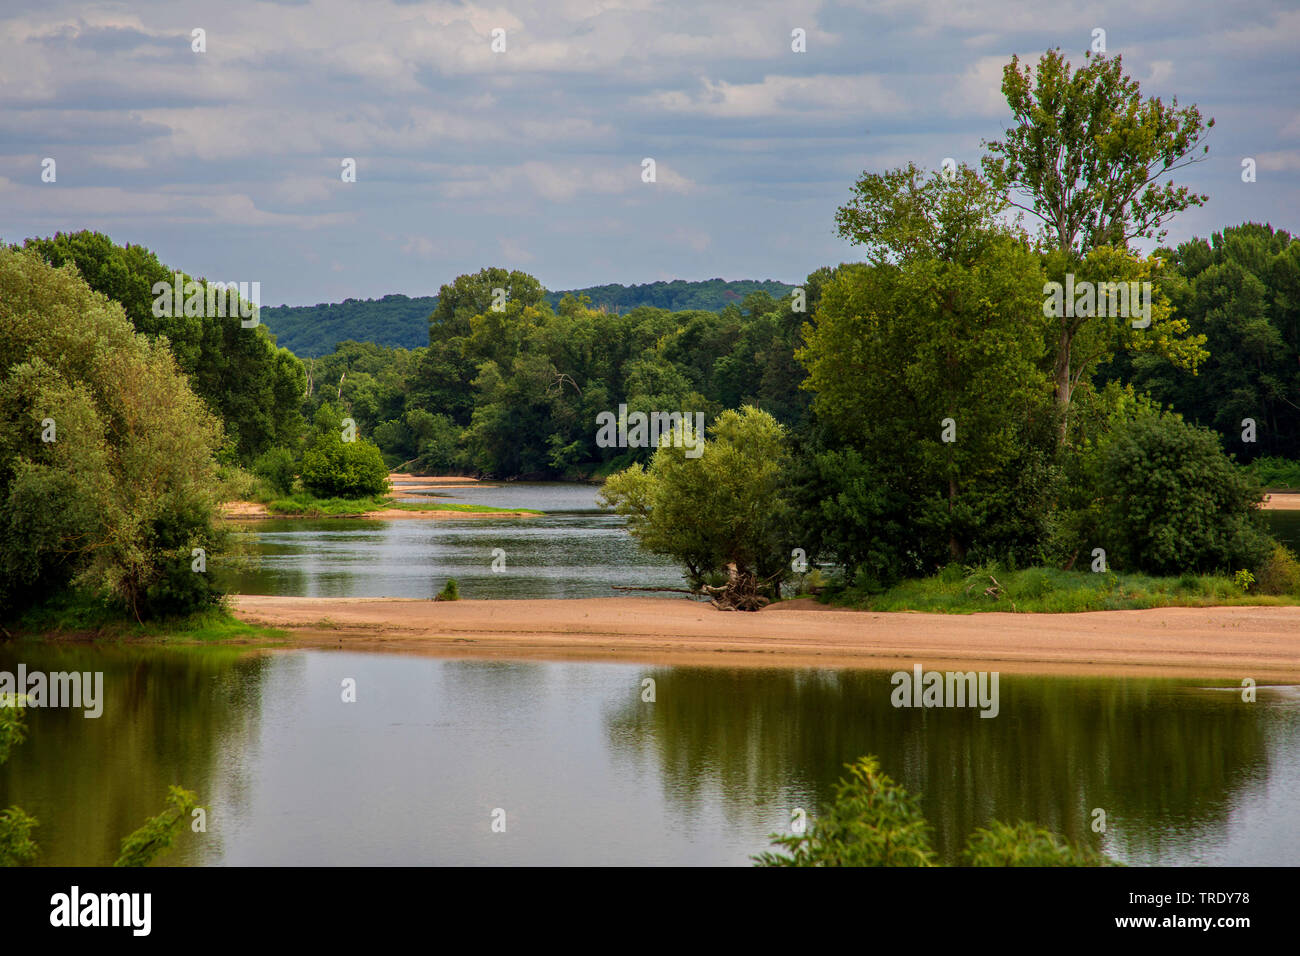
[[1225, 643], [1281, 502]]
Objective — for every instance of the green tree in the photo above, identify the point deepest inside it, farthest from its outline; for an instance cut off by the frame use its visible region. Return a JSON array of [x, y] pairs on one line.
[[1085, 157], [927, 361], [335, 468], [719, 514], [239, 372], [1174, 503], [106, 455]]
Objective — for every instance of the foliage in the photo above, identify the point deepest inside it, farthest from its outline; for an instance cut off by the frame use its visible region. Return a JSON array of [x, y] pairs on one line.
[[1086, 151], [1240, 290], [449, 592], [723, 508], [396, 321], [926, 364], [332, 467], [253, 386], [1175, 503], [872, 821], [1277, 473], [1279, 573], [158, 833], [277, 467], [126, 490], [1025, 844], [971, 589]]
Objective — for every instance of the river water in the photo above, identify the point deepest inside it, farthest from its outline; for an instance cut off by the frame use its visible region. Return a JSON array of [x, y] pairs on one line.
[[582, 768]]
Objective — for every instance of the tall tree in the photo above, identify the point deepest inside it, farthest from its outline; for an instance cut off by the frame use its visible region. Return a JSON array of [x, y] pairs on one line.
[[1085, 157]]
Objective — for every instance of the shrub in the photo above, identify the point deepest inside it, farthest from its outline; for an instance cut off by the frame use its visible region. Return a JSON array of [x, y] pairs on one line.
[[333, 468], [1174, 502], [449, 591], [1279, 573], [276, 466], [1024, 844]]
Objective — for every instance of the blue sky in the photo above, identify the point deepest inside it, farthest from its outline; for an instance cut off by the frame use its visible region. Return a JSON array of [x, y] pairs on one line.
[[227, 163]]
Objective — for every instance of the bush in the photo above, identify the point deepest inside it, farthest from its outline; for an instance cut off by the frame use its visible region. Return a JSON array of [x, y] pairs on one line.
[[1279, 573], [874, 822], [1024, 844], [1174, 502], [333, 468], [449, 591], [276, 466], [1277, 473]]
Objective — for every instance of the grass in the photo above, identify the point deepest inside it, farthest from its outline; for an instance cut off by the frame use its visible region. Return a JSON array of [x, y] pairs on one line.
[[303, 504], [957, 590], [80, 616]]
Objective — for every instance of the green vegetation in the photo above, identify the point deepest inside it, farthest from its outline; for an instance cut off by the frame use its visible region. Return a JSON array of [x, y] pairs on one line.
[[17, 847], [107, 469], [239, 373], [872, 821], [82, 614], [713, 512], [449, 592], [336, 465], [158, 833], [1277, 474], [969, 589], [399, 322]]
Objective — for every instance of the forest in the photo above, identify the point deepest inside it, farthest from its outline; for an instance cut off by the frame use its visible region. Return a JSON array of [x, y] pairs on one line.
[[398, 321]]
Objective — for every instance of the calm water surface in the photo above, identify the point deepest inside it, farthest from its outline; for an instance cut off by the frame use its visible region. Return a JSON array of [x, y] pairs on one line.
[[589, 773]]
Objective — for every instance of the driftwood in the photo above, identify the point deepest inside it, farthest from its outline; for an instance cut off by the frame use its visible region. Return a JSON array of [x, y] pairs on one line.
[[740, 593], [619, 587]]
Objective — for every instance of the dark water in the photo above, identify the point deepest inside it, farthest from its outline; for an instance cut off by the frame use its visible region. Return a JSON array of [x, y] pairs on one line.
[[1285, 526], [589, 773], [573, 551]]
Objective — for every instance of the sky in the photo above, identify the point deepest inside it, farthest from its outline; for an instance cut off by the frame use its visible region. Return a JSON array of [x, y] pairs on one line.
[[229, 162]]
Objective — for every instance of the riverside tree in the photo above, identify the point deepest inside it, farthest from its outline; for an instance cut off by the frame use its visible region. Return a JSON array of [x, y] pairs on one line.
[[1085, 157], [720, 515], [107, 471], [925, 364]]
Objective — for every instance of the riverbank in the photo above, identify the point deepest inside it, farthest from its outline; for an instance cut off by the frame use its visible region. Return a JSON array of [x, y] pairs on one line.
[[1281, 501], [1222, 643], [382, 507]]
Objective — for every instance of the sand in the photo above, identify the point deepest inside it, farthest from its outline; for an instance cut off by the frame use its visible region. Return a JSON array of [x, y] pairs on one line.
[[1226, 643], [1279, 501]]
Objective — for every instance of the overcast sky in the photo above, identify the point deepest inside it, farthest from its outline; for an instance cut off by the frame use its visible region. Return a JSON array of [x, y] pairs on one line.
[[227, 163]]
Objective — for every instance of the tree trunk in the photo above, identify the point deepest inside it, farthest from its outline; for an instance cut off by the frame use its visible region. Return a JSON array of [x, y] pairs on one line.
[[1063, 381]]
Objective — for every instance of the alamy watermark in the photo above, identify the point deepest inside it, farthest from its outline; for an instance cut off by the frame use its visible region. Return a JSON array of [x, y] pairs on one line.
[[1101, 299], [208, 300], [919, 688], [642, 430], [57, 689]]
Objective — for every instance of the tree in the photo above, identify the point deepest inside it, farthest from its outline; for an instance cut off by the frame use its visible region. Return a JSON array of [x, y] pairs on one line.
[[107, 475], [926, 361], [718, 514], [334, 468], [158, 833], [239, 372], [1085, 158]]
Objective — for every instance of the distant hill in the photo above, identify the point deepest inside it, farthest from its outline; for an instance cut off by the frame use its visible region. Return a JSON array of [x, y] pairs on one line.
[[400, 321]]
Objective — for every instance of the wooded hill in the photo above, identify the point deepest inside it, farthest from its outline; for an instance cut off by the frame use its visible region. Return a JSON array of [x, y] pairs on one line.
[[400, 321]]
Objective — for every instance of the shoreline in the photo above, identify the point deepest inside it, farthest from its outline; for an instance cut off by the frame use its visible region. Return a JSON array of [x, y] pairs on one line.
[[1221, 643], [401, 485]]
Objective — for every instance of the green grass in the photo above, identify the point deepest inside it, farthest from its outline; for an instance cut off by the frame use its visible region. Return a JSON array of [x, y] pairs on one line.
[[957, 590], [306, 505], [80, 616]]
